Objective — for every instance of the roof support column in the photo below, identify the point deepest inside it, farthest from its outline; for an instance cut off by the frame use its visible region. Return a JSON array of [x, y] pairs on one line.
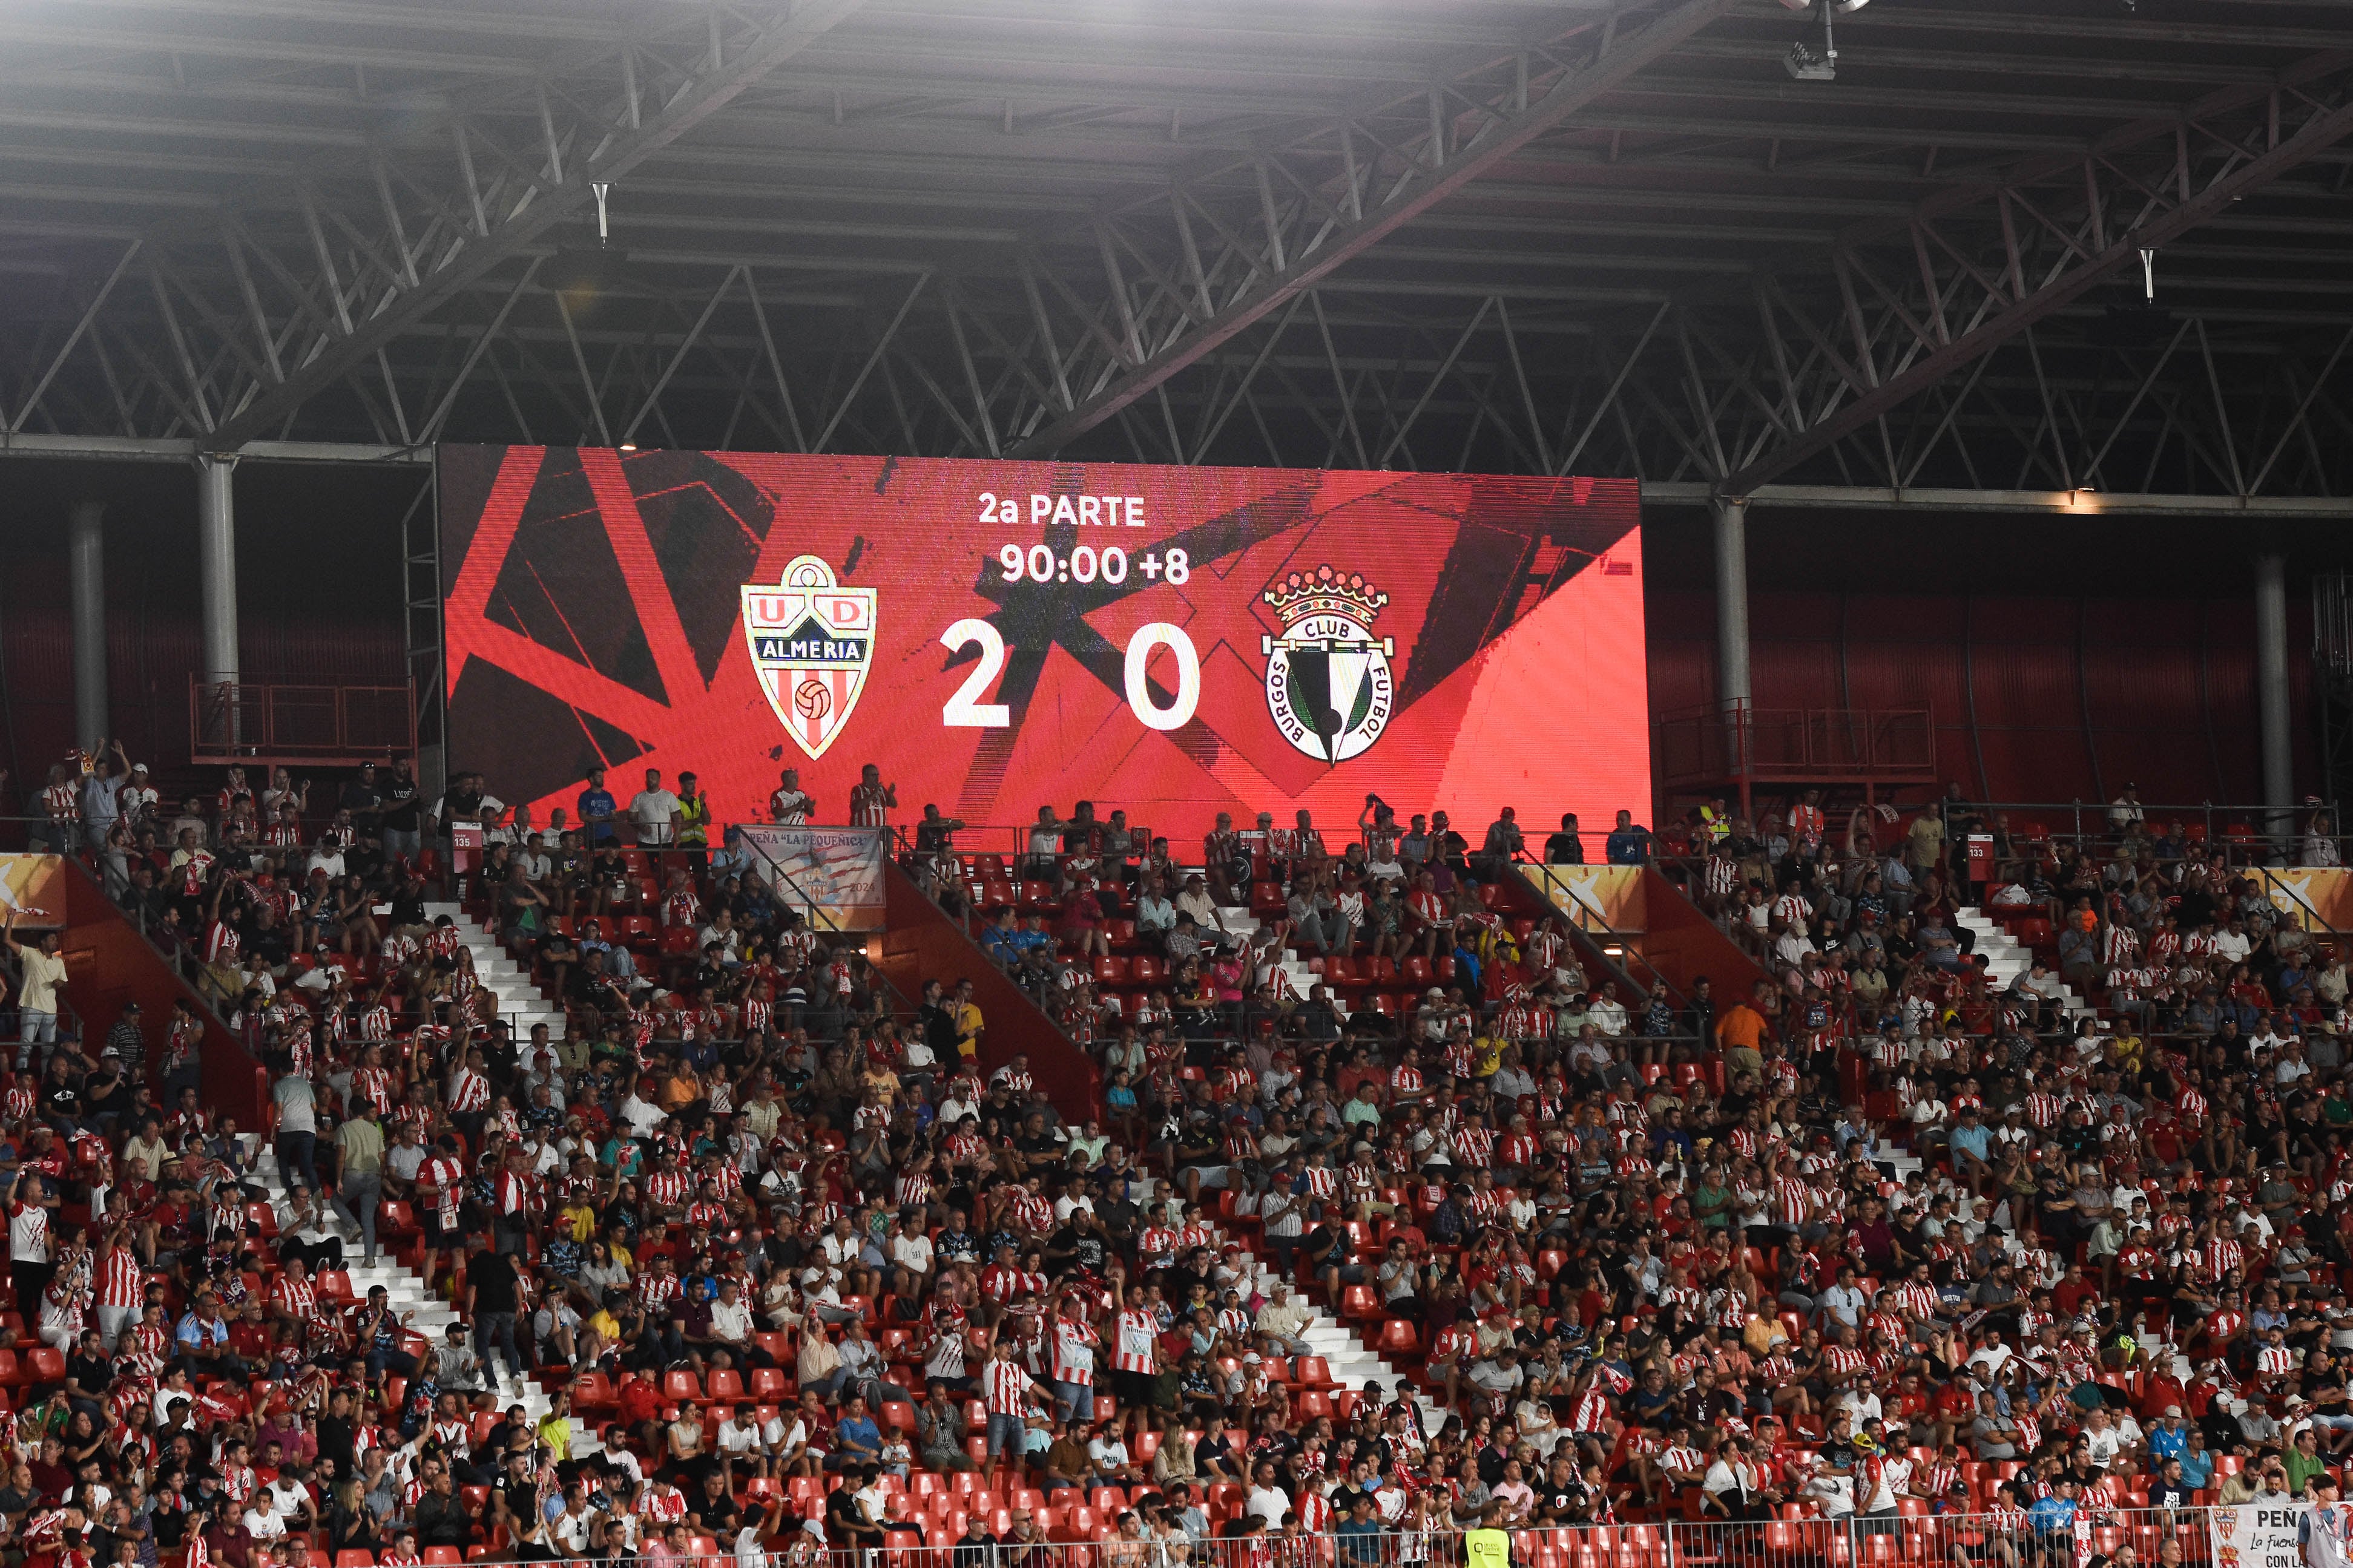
[[86, 564], [2272, 697], [1732, 690], [216, 565]]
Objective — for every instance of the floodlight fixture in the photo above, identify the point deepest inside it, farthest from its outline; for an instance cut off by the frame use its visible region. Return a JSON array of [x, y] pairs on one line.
[[1806, 63]]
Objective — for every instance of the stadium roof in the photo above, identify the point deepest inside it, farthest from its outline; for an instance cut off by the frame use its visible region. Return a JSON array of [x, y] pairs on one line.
[[1601, 236]]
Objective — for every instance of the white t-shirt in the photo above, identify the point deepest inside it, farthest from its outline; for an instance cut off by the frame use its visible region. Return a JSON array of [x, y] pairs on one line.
[[43, 973], [651, 810], [29, 1233]]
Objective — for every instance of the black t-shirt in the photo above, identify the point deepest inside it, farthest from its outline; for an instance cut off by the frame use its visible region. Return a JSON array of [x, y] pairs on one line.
[[335, 1435], [1563, 849], [492, 1276], [359, 797], [62, 1099], [400, 802], [93, 1373], [719, 1513], [1086, 1246]]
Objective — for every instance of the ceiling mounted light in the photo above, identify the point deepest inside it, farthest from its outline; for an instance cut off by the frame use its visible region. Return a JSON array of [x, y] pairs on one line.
[[1806, 63]]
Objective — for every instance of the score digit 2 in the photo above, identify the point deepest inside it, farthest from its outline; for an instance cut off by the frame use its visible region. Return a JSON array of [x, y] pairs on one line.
[[965, 710]]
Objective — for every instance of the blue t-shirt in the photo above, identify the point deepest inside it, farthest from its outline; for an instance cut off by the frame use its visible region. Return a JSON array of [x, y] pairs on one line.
[[1976, 1141], [2052, 1515], [592, 804], [1630, 846], [861, 1433]]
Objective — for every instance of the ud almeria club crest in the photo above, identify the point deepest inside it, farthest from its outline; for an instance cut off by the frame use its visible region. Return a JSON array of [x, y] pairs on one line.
[[811, 641], [1327, 676]]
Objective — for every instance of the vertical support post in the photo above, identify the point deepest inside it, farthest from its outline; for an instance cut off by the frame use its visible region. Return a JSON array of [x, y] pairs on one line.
[[85, 556], [2272, 695], [216, 573], [1732, 690]]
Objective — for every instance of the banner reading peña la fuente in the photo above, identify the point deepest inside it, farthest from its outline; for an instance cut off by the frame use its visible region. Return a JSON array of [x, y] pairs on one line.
[[2282, 1534], [833, 875]]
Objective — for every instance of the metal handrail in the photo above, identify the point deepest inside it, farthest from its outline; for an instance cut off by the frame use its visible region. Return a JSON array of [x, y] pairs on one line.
[[1581, 932], [1958, 1538], [2205, 811]]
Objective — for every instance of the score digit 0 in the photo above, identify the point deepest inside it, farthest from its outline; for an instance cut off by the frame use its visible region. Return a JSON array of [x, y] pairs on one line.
[[965, 710]]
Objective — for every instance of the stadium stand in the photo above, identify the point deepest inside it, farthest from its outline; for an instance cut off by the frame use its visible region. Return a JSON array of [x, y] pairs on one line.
[[602, 1208]]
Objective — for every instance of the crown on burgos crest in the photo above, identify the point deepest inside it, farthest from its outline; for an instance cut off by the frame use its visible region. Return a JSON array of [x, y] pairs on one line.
[[1326, 592]]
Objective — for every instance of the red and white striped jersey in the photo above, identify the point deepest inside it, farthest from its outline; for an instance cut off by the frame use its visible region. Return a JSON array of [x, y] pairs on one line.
[[298, 1298], [446, 1178], [1074, 1351], [222, 943], [120, 1283], [518, 1193], [1592, 1409], [668, 1189], [656, 1291], [469, 1090], [373, 1086], [1004, 1387], [1136, 1342]]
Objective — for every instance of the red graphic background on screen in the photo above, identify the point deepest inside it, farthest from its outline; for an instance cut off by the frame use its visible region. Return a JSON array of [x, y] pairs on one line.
[[1477, 642]]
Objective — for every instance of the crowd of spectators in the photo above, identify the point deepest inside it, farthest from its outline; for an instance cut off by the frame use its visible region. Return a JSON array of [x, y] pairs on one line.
[[819, 1265]]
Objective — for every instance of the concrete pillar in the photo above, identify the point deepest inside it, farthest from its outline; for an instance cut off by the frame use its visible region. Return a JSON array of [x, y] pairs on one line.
[[85, 557], [2272, 695], [1732, 634], [216, 565], [1731, 600]]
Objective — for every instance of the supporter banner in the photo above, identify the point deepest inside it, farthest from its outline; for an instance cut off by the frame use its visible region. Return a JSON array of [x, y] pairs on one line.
[[1612, 893], [999, 635], [833, 875], [2325, 892], [2269, 1535], [35, 887]]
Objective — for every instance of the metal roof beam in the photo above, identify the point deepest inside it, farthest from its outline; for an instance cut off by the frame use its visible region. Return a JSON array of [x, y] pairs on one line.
[[1389, 192], [1894, 310], [607, 142]]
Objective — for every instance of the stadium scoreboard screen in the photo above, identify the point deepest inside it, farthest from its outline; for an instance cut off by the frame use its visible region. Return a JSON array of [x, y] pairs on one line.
[[999, 635]]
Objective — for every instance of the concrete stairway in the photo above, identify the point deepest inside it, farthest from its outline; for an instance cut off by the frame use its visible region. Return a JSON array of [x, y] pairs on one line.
[[2007, 959], [1353, 1363], [425, 1313], [520, 1001]]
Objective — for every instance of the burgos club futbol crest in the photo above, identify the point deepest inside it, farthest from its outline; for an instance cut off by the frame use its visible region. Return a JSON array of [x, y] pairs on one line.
[[811, 641], [1328, 682]]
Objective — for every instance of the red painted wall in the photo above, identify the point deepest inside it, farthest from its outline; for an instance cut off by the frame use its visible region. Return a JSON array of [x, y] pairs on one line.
[[924, 944], [2036, 697], [108, 963]]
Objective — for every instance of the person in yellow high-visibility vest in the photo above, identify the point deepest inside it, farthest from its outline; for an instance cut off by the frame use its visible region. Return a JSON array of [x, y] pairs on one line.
[[1487, 1547]]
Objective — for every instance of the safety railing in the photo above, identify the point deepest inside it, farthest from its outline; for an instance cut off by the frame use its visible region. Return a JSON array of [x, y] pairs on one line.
[[1033, 1530], [241, 722], [2204, 827], [1728, 741]]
